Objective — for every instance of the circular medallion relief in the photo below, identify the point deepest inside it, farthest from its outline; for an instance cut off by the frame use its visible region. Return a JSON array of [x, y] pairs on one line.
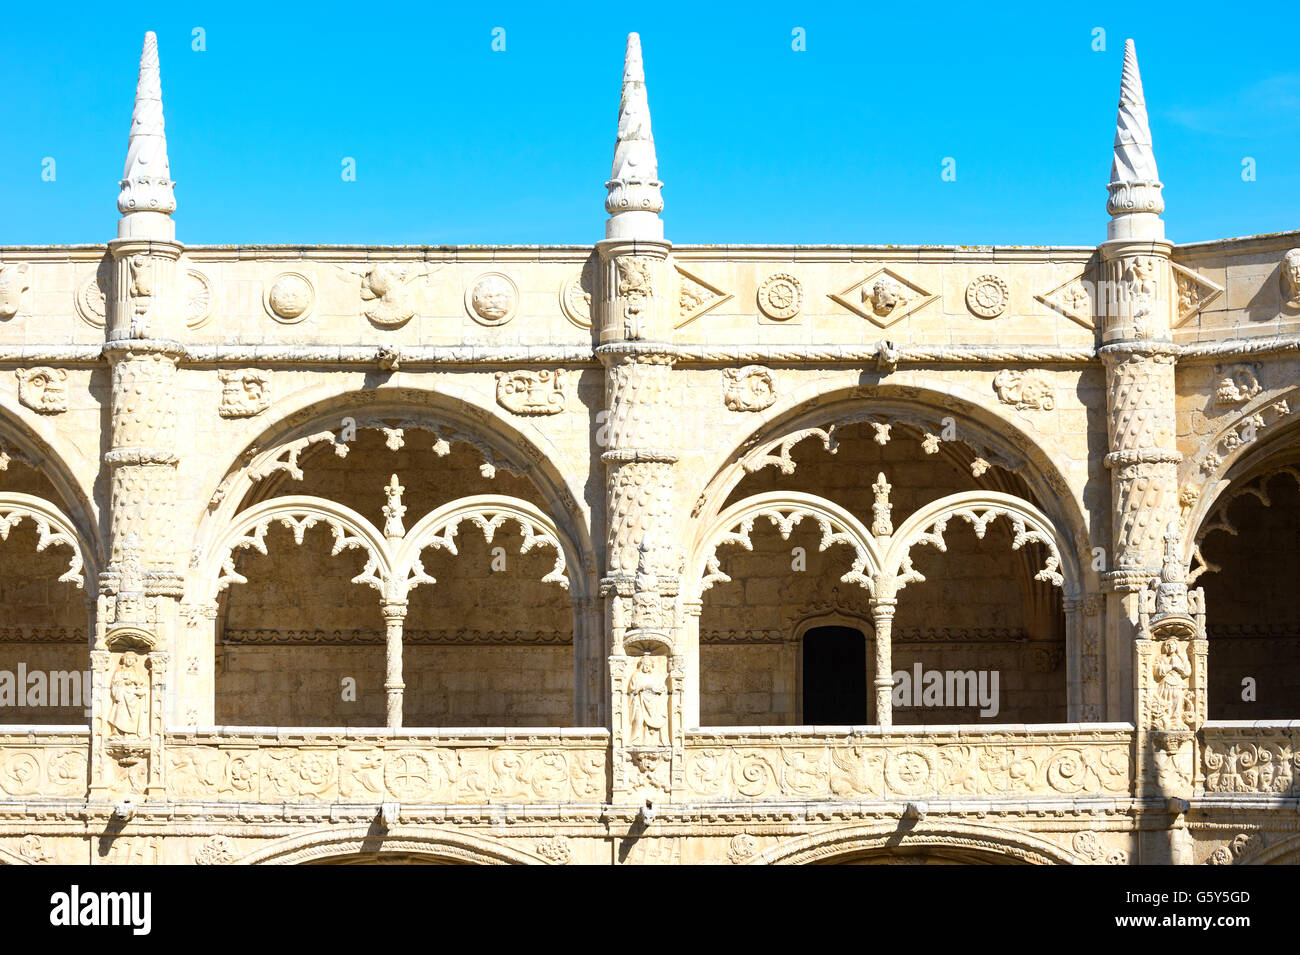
[[198, 299], [290, 298], [780, 296], [987, 296], [92, 300], [575, 297], [492, 300]]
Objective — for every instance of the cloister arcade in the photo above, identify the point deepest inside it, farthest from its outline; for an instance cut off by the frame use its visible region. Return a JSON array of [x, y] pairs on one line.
[[642, 553], [305, 622]]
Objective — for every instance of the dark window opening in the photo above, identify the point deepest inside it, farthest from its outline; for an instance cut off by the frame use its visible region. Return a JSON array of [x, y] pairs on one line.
[[834, 677]]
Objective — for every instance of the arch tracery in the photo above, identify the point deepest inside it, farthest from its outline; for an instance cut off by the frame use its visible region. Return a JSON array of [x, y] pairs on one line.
[[926, 527], [393, 557], [53, 529]]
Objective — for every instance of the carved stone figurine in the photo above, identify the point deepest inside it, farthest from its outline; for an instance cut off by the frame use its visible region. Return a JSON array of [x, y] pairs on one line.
[[14, 280], [127, 692], [648, 704], [886, 295], [1291, 278], [44, 390], [1172, 671]]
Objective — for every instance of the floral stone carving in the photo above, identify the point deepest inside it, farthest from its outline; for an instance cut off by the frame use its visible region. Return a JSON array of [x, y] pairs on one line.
[[780, 297], [987, 296], [1237, 385]]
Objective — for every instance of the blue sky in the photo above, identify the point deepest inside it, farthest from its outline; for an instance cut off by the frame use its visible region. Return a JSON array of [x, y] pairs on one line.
[[843, 142]]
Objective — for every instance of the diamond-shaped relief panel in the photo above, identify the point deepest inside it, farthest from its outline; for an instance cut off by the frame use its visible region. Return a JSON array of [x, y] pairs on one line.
[[1192, 293], [884, 297], [1073, 300], [695, 296]]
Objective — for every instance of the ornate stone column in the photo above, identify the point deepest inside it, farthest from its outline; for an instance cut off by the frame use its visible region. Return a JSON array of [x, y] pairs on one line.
[[1135, 301], [394, 618], [649, 669], [141, 587], [882, 620]]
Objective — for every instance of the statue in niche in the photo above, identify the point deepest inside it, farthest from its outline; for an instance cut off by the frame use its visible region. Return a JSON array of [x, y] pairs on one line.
[[648, 704], [1172, 671], [127, 692]]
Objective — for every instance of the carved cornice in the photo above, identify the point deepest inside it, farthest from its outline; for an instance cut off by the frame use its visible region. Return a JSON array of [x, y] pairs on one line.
[[577, 355], [918, 636], [1211, 351], [43, 635], [410, 355], [436, 638], [648, 353], [1255, 631]]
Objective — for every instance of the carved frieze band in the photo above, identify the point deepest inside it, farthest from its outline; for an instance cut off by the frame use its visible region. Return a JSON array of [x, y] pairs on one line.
[[318, 770], [725, 767]]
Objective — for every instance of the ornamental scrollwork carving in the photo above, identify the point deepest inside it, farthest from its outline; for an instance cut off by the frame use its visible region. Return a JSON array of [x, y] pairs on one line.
[[759, 767], [284, 458], [531, 392], [225, 769], [299, 514]]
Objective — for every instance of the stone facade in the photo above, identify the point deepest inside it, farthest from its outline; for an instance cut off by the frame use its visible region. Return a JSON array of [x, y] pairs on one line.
[[520, 554]]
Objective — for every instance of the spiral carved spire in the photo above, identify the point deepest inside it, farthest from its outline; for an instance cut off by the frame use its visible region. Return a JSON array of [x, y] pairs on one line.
[[634, 200], [147, 197], [1135, 185]]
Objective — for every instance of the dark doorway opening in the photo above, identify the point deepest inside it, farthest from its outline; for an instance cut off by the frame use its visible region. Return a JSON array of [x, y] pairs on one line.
[[834, 677]]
